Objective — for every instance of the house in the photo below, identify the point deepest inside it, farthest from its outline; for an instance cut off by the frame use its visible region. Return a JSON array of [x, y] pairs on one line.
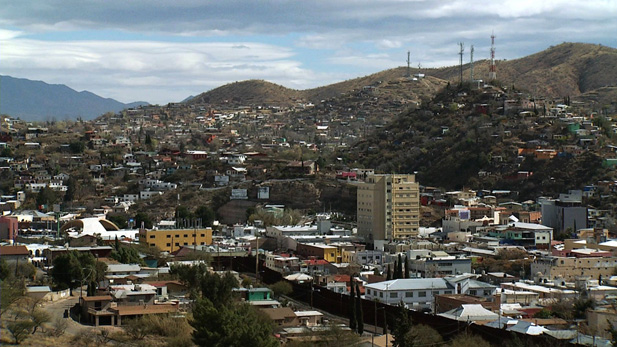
[[304, 167], [103, 310], [14, 253], [470, 313], [282, 316], [419, 293]]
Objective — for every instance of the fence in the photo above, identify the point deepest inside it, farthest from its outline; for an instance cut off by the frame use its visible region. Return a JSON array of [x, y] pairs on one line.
[[375, 313]]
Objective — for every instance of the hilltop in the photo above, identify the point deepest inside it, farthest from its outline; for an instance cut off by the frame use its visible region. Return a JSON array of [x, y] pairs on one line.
[[568, 69]]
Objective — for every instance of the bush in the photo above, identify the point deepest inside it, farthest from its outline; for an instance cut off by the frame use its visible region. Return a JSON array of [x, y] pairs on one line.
[[58, 327], [281, 288], [20, 329]]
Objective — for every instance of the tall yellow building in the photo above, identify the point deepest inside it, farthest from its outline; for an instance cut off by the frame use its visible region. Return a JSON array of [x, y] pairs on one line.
[[388, 207], [171, 240]]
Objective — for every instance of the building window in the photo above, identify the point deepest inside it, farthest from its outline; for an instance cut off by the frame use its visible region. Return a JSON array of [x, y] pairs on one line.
[[169, 236], [177, 244], [186, 235], [203, 235], [422, 294], [394, 295], [169, 245], [381, 294], [152, 236], [368, 291], [152, 245], [409, 294], [472, 292]]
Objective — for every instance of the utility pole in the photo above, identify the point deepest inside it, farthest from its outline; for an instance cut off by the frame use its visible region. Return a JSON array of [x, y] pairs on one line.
[[408, 62], [460, 53], [471, 63]]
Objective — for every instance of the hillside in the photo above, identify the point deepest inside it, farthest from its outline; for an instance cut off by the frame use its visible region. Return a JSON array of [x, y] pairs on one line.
[[251, 92], [456, 146], [39, 101], [568, 69]]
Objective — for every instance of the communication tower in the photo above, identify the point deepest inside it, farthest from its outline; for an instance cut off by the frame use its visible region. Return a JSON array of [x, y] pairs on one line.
[[492, 70], [471, 64], [408, 62], [460, 53]]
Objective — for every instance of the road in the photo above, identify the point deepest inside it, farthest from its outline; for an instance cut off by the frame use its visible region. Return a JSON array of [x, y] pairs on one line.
[[56, 310]]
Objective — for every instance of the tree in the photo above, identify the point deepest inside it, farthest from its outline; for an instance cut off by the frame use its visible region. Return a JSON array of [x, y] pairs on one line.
[[46, 196], [127, 255], [5, 271], [39, 317], [73, 268], [206, 214], [464, 340], [182, 212], [388, 273], [236, 324], [71, 186], [611, 330], [77, 147], [353, 323], [399, 268], [406, 274], [142, 217], [359, 313], [421, 335], [401, 326], [20, 329], [281, 288], [11, 291]]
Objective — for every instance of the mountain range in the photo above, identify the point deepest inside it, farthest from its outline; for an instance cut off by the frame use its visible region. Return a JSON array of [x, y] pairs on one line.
[[40, 101]]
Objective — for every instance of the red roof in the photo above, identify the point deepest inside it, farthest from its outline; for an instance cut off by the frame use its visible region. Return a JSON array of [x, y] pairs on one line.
[[316, 262], [342, 278], [14, 250]]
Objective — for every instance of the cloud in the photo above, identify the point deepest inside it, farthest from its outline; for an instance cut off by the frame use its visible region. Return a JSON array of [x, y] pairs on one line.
[[129, 66], [163, 51]]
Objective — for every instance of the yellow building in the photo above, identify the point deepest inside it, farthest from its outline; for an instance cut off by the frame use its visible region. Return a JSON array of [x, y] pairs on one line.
[[171, 240], [319, 251], [388, 207], [569, 268]]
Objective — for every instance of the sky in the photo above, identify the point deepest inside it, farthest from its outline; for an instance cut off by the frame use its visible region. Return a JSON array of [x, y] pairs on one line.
[[164, 51]]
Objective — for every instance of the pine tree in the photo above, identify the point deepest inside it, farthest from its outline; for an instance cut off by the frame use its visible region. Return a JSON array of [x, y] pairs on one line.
[[352, 307], [406, 267], [359, 314], [394, 273], [388, 273], [399, 268]]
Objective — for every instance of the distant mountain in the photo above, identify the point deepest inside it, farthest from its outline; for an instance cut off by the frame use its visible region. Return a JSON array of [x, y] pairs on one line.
[[40, 101]]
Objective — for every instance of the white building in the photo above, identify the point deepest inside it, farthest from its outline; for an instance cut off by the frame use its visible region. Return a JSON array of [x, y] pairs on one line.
[[418, 293]]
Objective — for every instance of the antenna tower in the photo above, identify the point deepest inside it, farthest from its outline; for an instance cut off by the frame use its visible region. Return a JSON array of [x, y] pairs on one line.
[[471, 64], [460, 53], [492, 72], [408, 62]]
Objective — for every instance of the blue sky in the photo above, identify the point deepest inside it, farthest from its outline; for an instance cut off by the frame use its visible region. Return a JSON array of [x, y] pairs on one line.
[[163, 51]]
